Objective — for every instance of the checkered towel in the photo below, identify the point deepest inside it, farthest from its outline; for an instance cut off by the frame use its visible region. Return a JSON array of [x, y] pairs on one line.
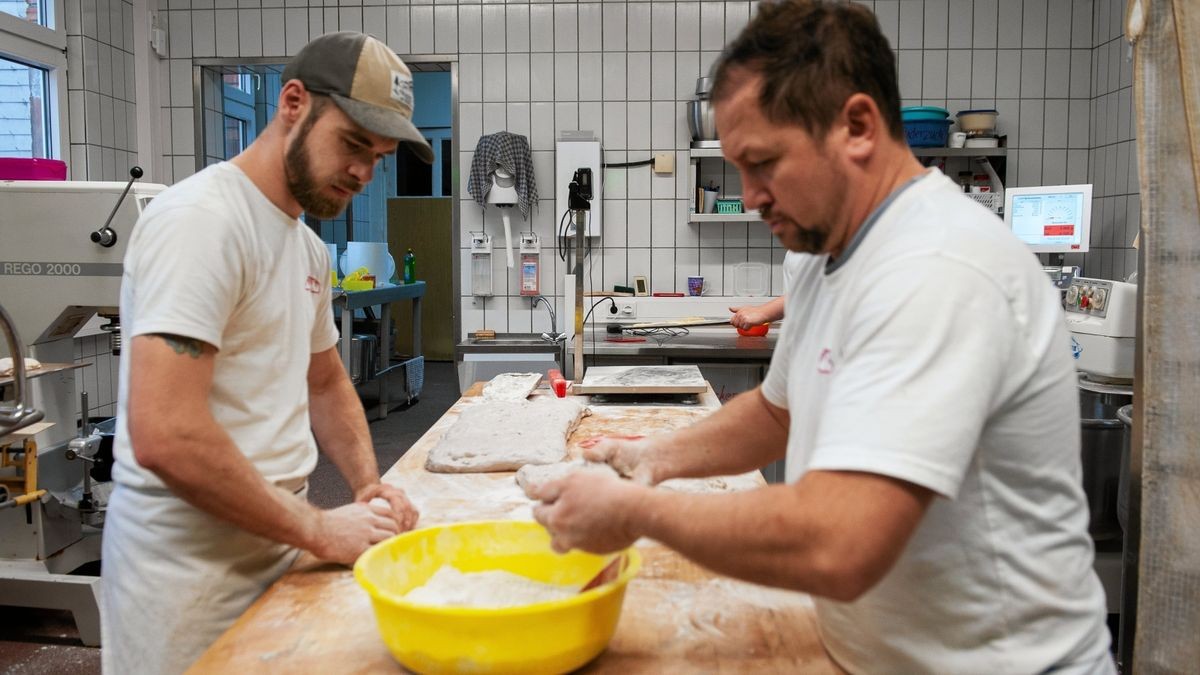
[[511, 152]]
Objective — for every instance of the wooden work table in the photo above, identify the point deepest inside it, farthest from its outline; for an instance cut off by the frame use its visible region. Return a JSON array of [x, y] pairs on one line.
[[677, 616]]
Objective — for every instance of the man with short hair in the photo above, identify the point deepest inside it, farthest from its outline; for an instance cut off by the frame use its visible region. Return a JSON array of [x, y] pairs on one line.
[[231, 378], [927, 406]]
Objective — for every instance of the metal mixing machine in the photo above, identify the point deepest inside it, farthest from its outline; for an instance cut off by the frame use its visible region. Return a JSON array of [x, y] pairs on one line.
[[60, 269]]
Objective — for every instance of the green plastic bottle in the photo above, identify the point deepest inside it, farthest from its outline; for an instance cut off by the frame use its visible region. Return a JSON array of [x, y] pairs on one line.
[[410, 267]]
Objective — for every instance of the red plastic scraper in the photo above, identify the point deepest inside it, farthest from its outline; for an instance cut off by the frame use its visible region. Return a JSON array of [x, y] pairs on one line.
[[557, 382]]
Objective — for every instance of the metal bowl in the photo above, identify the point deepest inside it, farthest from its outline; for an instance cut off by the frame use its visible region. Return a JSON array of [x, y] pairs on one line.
[[702, 122]]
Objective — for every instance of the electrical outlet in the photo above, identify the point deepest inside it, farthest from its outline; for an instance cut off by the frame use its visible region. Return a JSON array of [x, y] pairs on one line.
[[627, 310], [664, 163]]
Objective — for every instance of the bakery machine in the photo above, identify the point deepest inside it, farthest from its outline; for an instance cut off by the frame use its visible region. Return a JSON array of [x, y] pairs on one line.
[[1101, 316], [60, 275]]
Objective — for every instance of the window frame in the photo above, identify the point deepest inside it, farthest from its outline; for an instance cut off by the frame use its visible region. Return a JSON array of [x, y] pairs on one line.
[[45, 48]]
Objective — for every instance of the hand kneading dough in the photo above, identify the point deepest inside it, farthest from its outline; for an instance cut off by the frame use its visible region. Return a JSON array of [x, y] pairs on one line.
[[529, 477], [506, 435], [493, 589], [532, 476]]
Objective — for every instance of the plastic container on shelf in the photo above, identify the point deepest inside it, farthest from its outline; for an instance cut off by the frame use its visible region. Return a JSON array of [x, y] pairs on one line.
[[927, 133], [32, 168], [918, 113], [751, 279]]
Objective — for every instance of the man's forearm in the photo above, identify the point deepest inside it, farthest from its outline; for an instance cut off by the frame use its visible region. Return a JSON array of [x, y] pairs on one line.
[[207, 470], [341, 431], [756, 536], [834, 534], [745, 434]]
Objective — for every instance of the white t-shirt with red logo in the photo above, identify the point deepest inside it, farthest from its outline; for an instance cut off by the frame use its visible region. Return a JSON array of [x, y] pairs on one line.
[[936, 352], [213, 259]]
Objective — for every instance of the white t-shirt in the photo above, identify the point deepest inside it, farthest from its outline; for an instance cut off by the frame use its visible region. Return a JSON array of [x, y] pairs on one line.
[[213, 259], [802, 271], [937, 353]]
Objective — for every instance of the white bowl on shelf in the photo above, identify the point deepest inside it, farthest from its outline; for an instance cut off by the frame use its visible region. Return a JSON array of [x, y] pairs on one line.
[[982, 142]]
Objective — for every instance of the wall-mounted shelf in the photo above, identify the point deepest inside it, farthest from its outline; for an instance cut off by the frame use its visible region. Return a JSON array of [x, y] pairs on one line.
[[694, 156], [746, 217], [958, 152]]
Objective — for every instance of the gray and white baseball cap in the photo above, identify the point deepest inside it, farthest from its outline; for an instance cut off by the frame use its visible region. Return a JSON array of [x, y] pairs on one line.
[[366, 80]]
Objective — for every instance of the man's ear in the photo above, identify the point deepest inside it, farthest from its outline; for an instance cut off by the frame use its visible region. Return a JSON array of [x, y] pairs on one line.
[[294, 101], [864, 127]]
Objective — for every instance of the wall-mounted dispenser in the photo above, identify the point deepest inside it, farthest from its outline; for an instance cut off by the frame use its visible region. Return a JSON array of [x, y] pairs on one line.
[[481, 264], [531, 252]]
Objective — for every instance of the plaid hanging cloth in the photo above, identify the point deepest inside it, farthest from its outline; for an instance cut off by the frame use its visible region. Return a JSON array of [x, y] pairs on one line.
[[510, 152]]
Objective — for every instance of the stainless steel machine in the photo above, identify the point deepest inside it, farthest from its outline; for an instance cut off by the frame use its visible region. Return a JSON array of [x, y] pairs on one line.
[[1102, 319], [60, 268]]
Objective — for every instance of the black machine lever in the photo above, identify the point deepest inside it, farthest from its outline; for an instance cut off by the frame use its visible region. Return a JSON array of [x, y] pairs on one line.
[[106, 236]]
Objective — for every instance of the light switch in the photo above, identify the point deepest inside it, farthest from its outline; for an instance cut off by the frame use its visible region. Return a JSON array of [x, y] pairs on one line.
[[664, 163]]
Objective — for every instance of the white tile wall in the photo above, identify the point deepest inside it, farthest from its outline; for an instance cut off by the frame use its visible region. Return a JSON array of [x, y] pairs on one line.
[[100, 103], [1055, 70], [1111, 142]]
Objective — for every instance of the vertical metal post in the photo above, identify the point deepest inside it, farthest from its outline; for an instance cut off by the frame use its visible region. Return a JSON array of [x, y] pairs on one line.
[[580, 217]]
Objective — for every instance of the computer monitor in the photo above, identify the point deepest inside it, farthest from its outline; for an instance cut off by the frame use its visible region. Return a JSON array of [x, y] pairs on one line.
[[1050, 219]]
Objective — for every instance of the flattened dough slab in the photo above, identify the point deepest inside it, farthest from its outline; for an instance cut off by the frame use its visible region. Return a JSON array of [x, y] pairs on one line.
[[511, 386], [506, 435], [685, 379]]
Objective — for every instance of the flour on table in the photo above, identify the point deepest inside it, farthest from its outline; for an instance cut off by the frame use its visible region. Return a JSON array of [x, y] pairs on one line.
[[530, 477], [511, 386], [506, 435], [494, 589]]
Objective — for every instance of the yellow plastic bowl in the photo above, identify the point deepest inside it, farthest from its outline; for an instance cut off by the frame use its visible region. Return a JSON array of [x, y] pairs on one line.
[[546, 637]]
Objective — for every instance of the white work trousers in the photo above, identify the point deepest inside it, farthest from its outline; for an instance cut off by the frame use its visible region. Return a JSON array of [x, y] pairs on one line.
[[174, 579]]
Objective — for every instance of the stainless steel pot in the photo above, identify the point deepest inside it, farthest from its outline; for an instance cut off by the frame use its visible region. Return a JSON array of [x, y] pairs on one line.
[[701, 120], [1103, 443], [363, 357]]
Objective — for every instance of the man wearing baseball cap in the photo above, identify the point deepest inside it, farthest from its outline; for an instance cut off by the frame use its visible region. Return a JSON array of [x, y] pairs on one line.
[[231, 380]]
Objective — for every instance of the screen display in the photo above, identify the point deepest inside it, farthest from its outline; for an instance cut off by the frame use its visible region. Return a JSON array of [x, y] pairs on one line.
[[1053, 219]]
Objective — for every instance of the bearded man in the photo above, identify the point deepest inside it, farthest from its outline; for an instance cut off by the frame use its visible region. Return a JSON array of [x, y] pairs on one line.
[[922, 391], [231, 379]]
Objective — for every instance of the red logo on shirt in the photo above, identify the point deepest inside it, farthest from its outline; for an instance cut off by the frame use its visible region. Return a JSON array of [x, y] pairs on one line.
[[312, 285], [825, 362]]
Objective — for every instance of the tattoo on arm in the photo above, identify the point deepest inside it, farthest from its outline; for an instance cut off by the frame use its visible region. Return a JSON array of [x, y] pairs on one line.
[[183, 345]]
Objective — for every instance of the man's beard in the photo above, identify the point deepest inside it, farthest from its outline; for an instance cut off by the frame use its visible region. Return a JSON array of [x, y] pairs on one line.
[[297, 168], [798, 239]]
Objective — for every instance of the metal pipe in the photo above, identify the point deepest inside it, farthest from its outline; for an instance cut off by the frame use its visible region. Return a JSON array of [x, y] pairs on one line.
[[16, 416]]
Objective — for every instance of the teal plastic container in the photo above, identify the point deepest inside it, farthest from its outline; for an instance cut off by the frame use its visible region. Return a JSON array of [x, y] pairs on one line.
[[919, 113]]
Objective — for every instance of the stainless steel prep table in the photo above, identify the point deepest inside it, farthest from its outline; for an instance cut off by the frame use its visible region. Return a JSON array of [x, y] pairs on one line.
[[383, 297]]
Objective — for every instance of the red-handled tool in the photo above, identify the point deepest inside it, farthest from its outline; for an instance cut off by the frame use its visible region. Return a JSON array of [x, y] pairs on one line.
[[557, 382]]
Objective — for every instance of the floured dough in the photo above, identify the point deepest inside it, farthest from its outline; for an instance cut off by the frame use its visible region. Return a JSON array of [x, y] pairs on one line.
[[506, 435], [529, 477], [533, 476], [511, 386], [493, 589]]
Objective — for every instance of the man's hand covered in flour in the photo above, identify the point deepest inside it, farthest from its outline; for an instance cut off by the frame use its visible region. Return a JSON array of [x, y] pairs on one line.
[[588, 510], [392, 497], [632, 457], [342, 534]]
